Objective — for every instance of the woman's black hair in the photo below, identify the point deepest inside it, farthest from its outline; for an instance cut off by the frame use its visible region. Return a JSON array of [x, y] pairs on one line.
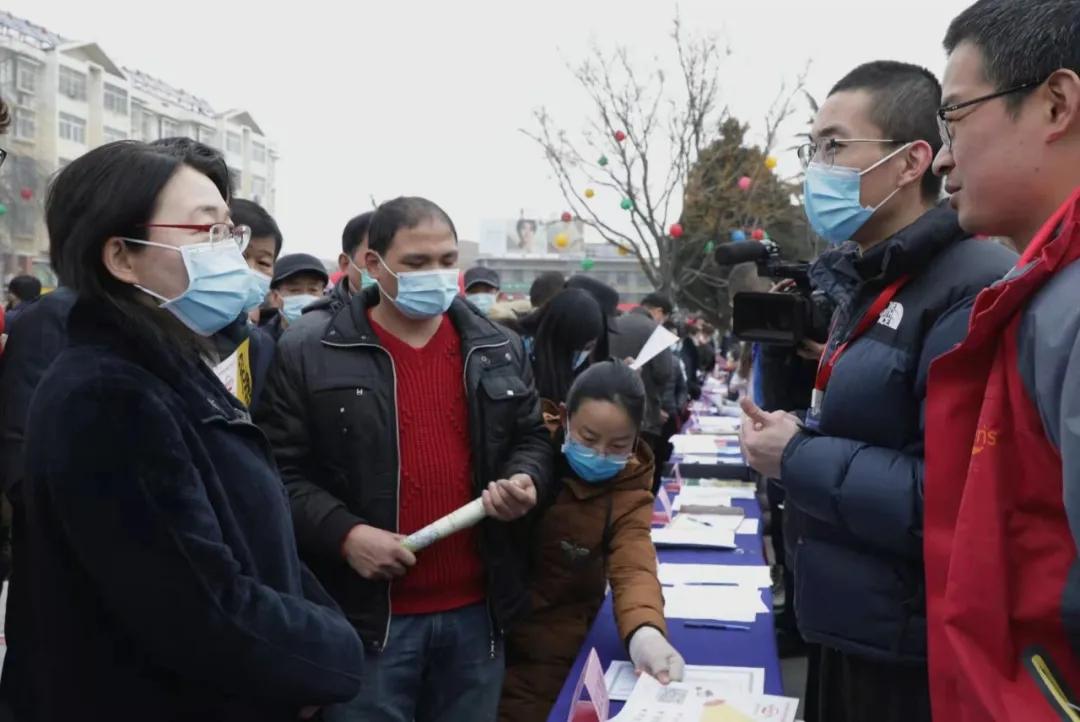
[[611, 381], [565, 325], [112, 191]]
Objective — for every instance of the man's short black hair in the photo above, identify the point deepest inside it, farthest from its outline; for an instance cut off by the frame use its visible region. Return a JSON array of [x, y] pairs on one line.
[[25, 288], [404, 212], [1022, 41], [355, 232], [546, 285], [251, 214], [905, 102], [658, 300]]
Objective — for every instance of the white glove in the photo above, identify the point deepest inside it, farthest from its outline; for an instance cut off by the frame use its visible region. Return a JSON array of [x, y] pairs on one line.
[[653, 654]]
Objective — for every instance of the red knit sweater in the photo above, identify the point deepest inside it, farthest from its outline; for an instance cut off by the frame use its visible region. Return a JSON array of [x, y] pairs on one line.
[[436, 471]]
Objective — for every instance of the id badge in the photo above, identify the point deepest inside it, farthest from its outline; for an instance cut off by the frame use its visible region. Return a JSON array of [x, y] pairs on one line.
[[813, 414]]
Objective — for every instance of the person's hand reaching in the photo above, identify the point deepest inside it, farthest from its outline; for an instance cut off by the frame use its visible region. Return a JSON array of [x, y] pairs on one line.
[[652, 654]]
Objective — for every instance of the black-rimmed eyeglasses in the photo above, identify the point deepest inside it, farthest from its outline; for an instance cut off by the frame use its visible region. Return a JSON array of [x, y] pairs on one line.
[[945, 124]]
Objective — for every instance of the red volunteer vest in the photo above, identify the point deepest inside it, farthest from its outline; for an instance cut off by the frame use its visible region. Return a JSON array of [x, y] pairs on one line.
[[997, 542]]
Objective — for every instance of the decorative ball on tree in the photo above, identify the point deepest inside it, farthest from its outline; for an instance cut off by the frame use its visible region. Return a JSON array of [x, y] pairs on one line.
[[562, 240], [745, 182], [589, 192], [624, 251], [770, 162], [738, 235], [587, 264], [758, 234], [710, 246], [567, 217], [3, 209], [676, 230], [620, 136], [602, 161], [26, 193], [626, 204]]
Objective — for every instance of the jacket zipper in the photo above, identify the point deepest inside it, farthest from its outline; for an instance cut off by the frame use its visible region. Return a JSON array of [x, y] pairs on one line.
[[465, 383], [397, 494]]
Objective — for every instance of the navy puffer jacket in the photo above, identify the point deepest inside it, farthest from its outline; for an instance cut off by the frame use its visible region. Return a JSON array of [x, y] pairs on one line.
[[855, 485]]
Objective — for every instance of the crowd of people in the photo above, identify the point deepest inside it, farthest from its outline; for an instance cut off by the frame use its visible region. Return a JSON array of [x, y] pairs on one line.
[[213, 452]]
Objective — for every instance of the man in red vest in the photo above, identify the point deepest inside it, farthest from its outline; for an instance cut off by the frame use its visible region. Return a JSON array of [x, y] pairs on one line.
[[1002, 485]]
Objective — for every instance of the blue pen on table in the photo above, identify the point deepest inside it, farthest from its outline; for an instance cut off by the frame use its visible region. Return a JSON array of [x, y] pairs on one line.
[[717, 625]]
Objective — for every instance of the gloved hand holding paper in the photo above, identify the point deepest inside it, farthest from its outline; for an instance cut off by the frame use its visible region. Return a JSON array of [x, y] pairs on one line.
[[463, 518], [661, 339]]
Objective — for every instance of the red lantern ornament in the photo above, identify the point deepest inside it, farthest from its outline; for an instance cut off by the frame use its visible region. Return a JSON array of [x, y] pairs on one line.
[[758, 234], [567, 217], [676, 230], [26, 194], [620, 136]]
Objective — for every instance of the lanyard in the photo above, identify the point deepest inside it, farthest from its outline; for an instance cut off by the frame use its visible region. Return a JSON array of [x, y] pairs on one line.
[[828, 361]]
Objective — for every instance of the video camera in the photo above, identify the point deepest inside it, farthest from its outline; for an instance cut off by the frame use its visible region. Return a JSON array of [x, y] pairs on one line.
[[781, 319]]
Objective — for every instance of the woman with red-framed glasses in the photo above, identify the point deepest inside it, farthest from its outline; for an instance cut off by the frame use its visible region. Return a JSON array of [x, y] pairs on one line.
[[165, 577]]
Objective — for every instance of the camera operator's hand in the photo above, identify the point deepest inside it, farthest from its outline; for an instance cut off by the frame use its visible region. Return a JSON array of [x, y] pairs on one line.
[[810, 350], [783, 286]]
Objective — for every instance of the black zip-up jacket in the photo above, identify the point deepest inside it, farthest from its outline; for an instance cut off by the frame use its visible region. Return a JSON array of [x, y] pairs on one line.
[[330, 412]]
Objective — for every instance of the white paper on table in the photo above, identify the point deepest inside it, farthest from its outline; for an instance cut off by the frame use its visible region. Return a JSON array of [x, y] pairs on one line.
[[711, 458], [721, 604], [757, 576], [707, 681], [716, 522], [661, 339], [698, 443], [727, 425], [737, 489], [703, 537], [747, 526], [652, 702]]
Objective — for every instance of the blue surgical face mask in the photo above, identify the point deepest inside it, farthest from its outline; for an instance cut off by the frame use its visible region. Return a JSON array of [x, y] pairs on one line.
[[219, 285], [483, 301], [590, 466], [257, 290], [365, 277], [581, 358], [423, 294], [833, 202], [294, 306]]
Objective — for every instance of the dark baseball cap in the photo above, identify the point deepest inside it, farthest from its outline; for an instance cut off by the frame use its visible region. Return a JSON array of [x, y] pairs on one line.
[[480, 274], [297, 263]]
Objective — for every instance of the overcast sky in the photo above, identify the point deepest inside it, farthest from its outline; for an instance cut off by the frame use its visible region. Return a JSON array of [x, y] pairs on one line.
[[379, 99]]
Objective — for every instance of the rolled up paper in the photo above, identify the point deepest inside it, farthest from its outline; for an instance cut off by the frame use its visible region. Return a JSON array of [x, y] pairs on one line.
[[463, 518]]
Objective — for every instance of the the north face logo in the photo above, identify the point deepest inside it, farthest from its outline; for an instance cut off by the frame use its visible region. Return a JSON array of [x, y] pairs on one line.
[[892, 316]]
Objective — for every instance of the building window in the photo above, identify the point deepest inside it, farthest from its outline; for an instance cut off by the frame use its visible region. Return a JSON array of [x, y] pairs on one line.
[[72, 84], [169, 128], [232, 142], [7, 71], [149, 127], [116, 99], [26, 77], [235, 178], [206, 135], [258, 152], [114, 134], [25, 125], [622, 278], [258, 188], [72, 128]]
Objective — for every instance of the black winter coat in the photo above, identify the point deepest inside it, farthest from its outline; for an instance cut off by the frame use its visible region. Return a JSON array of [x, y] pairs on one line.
[[166, 583], [855, 486], [330, 413]]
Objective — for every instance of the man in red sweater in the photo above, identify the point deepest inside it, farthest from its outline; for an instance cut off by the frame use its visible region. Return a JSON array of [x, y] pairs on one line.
[[1002, 477], [385, 415]]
